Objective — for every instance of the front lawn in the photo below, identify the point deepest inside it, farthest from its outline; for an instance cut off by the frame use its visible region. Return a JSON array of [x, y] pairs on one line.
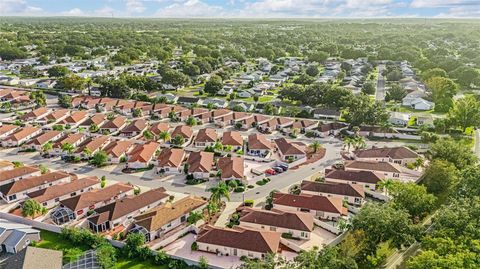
[[133, 264]]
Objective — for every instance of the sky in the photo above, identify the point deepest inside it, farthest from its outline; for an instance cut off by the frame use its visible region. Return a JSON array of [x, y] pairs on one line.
[[243, 8]]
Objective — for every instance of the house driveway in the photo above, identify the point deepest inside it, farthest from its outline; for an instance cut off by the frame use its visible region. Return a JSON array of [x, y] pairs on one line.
[[181, 248]]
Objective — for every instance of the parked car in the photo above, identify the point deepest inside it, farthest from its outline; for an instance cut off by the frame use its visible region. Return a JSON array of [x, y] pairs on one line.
[[284, 167], [278, 169], [270, 172]]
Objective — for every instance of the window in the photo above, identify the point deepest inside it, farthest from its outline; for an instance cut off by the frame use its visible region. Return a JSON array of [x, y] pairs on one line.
[[44, 203], [12, 197], [273, 229]]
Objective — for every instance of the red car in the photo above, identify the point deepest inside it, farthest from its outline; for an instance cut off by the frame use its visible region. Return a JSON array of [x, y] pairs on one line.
[[270, 172]]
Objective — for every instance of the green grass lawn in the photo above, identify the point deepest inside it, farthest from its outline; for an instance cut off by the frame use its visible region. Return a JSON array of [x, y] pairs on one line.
[[54, 241]]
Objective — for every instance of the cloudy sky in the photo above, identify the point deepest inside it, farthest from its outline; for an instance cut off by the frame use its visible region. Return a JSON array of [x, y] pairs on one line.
[[243, 8]]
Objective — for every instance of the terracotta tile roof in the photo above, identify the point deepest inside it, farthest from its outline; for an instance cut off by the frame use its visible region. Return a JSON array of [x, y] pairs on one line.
[[289, 148], [183, 130], [359, 176], [259, 141], [22, 133], [17, 172], [96, 119], [304, 124], [333, 188], [143, 153], [115, 123], [93, 143], [284, 121], [288, 220], [232, 138], [6, 128], [272, 123], [394, 153], [158, 107], [231, 167], [135, 126], [373, 166], [57, 114], [201, 161], [44, 138], [118, 148], [75, 117], [59, 190], [331, 126], [260, 118], [35, 113], [31, 182], [240, 115], [206, 135], [198, 111], [312, 202], [171, 157], [161, 215], [178, 109], [127, 205], [159, 127], [257, 241], [90, 198], [69, 138], [220, 112]]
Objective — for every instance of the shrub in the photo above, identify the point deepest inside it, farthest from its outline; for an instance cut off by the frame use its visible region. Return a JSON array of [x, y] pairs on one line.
[[248, 203], [261, 182], [250, 186], [194, 246], [239, 189]]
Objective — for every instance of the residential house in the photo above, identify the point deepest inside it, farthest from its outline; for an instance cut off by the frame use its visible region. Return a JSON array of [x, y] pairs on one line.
[[117, 150], [18, 173], [298, 224], [238, 242], [54, 117], [206, 137], [200, 164], [15, 237], [91, 146], [243, 105], [18, 190], [96, 120], [302, 125], [21, 136], [215, 102], [158, 128], [389, 170], [157, 222], [35, 114], [74, 139], [233, 139], [326, 113], [78, 206], [367, 179], [399, 118], [352, 193], [122, 211], [259, 145], [114, 125], [170, 161], [322, 207], [184, 131], [398, 155], [38, 142], [291, 151], [188, 101], [32, 257], [142, 156], [219, 113], [74, 119], [7, 129], [250, 122], [419, 104], [231, 168], [46, 84], [51, 196], [328, 129], [134, 129]]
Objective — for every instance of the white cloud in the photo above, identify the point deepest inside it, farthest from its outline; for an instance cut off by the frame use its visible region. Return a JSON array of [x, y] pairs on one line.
[[190, 9], [443, 3], [134, 6], [74, 12], [18, 7]]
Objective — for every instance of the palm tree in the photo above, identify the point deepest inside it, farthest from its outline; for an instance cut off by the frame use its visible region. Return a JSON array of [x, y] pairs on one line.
[[348, 142], [218, 192], [359, 142], [165, 136], [87, 152], [68, 148], [47, 147], [315, 146], [194, 217], [218, 146], [191, 121], [386, 185]]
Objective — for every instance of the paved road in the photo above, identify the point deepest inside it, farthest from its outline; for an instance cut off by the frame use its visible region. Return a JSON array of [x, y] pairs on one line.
[[380, 93], [149, 179]]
